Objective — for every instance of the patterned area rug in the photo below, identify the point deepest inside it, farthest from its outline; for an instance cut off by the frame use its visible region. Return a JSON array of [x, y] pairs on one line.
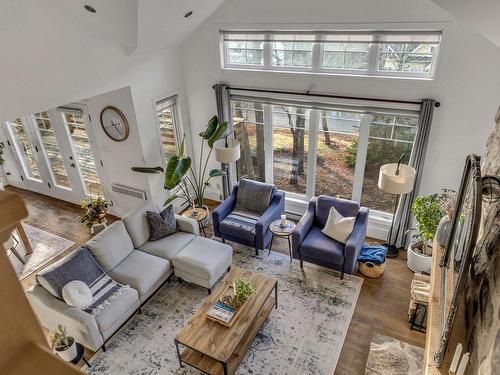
[[389, 356], [303, 336], [45, 246]]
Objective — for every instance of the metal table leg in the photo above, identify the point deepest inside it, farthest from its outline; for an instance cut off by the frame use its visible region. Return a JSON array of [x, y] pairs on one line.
[[289, 248], [271, 244], [178, 353], [276, 295]]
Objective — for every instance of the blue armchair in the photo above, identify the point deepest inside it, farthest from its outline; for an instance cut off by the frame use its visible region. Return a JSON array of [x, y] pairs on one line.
[[247, 227], [311, 245]]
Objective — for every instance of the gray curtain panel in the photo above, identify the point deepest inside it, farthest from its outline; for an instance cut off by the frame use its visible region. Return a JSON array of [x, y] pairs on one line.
[[403, 214], [224, 113]]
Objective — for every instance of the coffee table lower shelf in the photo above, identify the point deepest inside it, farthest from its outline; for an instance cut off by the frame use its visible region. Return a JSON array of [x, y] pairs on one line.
[[213, 367]]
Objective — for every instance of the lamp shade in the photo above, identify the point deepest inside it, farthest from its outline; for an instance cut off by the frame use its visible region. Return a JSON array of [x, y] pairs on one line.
[[227, 154], [389, 182]]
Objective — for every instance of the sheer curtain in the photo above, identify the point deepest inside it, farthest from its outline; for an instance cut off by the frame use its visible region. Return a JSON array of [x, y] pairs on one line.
[[403, 214]]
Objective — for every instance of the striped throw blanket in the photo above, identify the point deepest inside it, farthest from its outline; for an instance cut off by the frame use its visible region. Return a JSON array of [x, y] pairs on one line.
[[240, 222], [81, 265]]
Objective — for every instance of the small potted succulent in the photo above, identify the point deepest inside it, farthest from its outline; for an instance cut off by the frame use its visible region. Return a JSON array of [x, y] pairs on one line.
[[64, 345], [428, 212], [95, 211]]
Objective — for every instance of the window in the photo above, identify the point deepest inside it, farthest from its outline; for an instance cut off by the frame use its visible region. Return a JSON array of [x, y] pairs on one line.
[[389, 138], [309, 151], [248, 122], [166, 114], [29, 159], [388, 53], [51, 146]]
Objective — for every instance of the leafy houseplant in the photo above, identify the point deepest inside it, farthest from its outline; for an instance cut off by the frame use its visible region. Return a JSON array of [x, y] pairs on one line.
[[178, 166], [428, 212], [95, 211], [63, 344], [242, 290]]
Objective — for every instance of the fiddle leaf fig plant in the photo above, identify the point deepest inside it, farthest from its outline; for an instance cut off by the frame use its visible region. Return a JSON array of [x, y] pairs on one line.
[[178, 166]]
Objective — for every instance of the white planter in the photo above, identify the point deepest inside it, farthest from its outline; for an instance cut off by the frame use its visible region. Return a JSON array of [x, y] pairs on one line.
[[418, 262], [69, 354], [2, 188]]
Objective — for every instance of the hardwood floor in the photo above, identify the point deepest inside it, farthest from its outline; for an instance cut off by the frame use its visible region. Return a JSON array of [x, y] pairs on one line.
[[382, 305]]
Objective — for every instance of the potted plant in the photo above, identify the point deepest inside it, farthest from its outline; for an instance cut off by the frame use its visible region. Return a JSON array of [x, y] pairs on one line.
[[427, 212], [95, 211], [242, 289], [176, 172], [2, 162], [64, 345]]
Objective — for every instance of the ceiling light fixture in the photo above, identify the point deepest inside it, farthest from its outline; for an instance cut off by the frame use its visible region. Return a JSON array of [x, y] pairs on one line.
[[90, 9], [188, 14]]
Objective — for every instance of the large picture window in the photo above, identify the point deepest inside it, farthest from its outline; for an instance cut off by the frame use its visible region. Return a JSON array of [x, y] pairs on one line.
[[382, 53], [166, 115], [307, 152]]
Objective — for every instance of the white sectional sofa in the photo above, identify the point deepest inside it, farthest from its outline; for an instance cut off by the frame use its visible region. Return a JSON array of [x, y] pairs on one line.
[[124, 252]]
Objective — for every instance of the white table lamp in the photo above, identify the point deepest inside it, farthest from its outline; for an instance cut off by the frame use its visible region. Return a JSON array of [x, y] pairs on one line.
[[395, 178]]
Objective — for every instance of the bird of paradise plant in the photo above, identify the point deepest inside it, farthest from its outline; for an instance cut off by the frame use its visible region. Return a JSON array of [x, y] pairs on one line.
[[178, 166]]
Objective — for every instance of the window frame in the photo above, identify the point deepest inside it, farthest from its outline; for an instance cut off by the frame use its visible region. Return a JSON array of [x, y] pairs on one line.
[[176, 122], [314, 123], [374, 53]]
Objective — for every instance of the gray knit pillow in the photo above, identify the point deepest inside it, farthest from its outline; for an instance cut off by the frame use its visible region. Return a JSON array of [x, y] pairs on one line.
[[161, 224]]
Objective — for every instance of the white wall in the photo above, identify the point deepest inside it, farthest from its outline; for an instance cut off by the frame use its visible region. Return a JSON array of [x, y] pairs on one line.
[[55, 53], [467, 82]]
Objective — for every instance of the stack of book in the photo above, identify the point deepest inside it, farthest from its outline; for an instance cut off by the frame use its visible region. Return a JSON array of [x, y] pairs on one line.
[[221, 313]]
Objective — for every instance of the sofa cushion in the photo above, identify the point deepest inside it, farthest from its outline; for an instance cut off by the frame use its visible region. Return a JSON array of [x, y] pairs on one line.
[[317, 245], [204, 258], [161, 224], [111, 246], [79, 265], [345, 207], [169, 246], [141, 271], [240, 224], [76, 293], [338, 227], [137, 224], [117, 312], [253, 196]]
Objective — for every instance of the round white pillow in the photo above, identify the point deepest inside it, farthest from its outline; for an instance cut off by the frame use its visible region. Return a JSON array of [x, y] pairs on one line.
[[77, 294]]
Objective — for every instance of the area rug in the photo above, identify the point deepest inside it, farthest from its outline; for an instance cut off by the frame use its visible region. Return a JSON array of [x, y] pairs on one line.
[[303, 336], [389, 356], [45, 247]]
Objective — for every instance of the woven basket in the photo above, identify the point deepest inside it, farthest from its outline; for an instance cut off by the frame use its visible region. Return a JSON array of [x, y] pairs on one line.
[[370, 269]]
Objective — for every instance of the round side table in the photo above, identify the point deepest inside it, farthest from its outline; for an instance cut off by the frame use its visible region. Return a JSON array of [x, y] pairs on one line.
[[282, 231], [199, 214]]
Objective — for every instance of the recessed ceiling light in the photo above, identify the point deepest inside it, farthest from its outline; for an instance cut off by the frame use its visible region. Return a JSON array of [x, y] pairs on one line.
[[188, 14], [89, 8]]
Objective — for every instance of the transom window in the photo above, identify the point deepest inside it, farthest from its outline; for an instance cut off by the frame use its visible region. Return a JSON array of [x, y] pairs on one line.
[[389, 53], [306, 151]]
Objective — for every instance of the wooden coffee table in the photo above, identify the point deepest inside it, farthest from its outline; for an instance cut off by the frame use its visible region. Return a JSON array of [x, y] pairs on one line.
[[214, 349]]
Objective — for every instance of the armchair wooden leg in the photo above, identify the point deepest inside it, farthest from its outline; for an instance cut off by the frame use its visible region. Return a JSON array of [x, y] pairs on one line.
[[103, 347], [223, 240], [256, 251], [301, 264], [342, 275]]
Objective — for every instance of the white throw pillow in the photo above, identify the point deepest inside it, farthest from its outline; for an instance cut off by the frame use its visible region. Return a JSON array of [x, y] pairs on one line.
[[338, 227], [77, 294]]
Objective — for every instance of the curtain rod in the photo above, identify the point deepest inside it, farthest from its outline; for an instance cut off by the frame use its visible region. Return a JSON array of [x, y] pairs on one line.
[[308, 93]]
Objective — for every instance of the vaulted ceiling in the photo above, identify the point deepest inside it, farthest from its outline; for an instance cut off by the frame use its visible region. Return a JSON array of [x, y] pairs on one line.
[[482, 16]]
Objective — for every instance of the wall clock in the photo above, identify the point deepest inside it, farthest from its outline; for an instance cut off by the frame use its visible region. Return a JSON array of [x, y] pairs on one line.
[[114, 123]]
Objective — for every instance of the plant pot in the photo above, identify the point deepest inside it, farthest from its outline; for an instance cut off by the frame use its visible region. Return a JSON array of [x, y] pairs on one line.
[[418, 263], [2, 188], [443, 230], [69, 354]]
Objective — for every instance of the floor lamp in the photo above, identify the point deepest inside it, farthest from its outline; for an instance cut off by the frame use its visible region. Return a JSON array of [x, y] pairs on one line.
[[227, 151], [398, 179]]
